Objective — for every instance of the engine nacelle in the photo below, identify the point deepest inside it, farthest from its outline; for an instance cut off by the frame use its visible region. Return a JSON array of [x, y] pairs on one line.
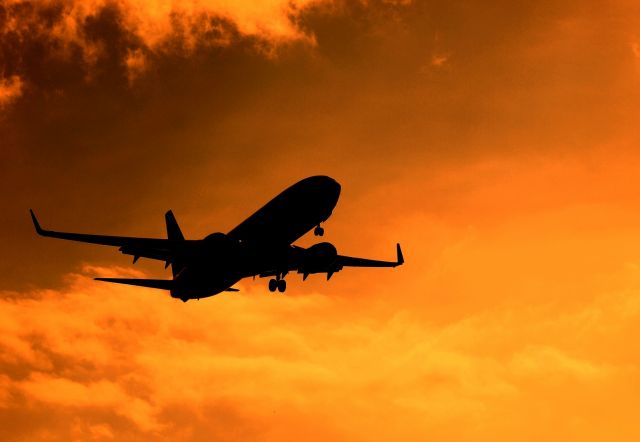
[[220, 247], [217, 237], [319, 258]]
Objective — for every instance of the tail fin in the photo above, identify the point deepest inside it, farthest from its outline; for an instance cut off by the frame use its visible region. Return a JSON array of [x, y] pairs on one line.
[[174, 233], [173, 230]]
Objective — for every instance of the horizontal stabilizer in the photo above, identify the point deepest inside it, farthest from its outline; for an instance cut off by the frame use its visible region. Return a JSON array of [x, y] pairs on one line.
[[164, 284]]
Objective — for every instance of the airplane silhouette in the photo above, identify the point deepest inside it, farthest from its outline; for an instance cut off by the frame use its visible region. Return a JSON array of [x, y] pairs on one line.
[[262, 245]]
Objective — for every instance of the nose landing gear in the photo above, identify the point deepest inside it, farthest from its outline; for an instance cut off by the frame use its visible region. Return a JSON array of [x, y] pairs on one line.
[[318, 231]]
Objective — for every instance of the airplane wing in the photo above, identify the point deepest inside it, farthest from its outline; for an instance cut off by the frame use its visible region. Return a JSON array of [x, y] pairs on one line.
[[153, 248], [342, 261], [349, 261], [336, 265]]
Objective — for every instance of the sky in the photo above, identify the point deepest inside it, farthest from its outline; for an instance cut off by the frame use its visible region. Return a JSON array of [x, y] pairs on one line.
[[496, 141]]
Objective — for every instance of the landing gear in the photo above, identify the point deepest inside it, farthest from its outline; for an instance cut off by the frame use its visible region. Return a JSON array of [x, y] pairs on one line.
[[318, 231], [277, 284]]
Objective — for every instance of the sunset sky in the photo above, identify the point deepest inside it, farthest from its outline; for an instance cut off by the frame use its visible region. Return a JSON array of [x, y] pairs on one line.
[[497, 141]]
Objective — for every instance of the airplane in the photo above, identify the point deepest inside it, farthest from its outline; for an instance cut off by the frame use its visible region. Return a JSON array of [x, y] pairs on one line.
[[262, 245]]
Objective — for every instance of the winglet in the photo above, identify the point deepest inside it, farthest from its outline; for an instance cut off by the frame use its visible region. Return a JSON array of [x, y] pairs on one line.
[[400, 259], [36, 224]]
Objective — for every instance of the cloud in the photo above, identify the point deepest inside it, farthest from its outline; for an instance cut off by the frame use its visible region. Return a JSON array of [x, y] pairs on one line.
[[128, 362], [545, 361], [61, 392], [10, 89], [65, 27], [41, 40], [154, 22]]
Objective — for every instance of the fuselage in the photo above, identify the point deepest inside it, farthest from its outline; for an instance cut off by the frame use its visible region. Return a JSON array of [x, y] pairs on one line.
[[224, 259]]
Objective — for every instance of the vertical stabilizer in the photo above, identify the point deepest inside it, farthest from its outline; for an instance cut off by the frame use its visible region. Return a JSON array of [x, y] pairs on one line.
[[175, 234]]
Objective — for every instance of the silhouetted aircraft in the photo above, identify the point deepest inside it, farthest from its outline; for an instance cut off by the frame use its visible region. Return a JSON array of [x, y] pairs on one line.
[[260, 246]]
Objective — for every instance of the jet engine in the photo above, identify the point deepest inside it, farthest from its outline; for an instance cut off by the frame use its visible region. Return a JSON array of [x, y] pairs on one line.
[[319, 258], [220, 248]]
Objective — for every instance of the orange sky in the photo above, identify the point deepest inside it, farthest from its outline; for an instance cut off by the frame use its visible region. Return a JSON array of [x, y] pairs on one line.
[[497, 141]]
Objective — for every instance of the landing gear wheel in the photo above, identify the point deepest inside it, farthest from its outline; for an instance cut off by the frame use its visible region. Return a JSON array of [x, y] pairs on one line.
[[318, 231], [282, 285], [273, 285]]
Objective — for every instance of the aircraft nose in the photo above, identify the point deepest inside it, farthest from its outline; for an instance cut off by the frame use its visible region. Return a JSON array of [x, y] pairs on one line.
[[335, 188], [323, 183], [332, 187]]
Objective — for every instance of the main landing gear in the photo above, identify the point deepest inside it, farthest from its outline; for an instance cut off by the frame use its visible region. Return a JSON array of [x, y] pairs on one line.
[[277, 284], [318, 231]]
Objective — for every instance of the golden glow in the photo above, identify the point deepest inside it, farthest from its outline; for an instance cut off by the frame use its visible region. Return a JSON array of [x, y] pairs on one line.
[[497, 144]]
